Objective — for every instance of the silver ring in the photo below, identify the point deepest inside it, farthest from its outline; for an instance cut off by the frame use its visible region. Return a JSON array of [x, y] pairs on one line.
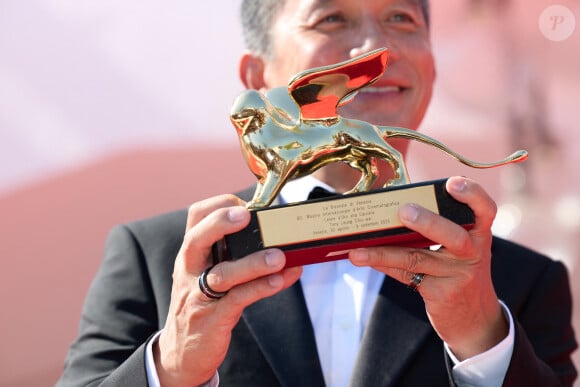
[[416, 281], [205, 289]]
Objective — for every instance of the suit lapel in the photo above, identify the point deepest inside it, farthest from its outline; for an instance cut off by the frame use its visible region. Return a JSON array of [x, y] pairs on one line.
[[282, 328], [397, 328]]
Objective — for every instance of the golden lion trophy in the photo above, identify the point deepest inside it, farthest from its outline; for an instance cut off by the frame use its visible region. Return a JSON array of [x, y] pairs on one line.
[[291, 132]]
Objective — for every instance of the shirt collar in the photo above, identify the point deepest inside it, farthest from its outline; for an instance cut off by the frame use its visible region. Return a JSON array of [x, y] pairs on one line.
[[297, 190]]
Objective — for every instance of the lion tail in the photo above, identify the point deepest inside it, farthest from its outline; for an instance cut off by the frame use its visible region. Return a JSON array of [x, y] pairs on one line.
[[395, 132]]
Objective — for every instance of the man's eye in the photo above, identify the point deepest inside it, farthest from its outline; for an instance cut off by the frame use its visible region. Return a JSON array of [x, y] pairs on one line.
[[335, 18], [331, 22], [402, 18]]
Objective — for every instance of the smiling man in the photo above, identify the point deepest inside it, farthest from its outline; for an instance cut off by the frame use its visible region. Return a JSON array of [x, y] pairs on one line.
[[478, 311]]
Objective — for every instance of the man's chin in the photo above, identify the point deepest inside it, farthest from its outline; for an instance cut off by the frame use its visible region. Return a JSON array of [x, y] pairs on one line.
[[380, 119], [376, 116]]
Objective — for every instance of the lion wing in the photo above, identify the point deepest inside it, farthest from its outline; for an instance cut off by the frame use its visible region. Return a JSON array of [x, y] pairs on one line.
[[320, 91]]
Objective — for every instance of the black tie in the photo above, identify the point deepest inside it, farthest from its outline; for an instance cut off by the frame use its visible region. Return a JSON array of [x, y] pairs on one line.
[[319, 193]]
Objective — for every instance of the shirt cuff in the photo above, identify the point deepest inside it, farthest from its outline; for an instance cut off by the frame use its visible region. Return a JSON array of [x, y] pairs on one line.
[[488, 368], [153, 378]]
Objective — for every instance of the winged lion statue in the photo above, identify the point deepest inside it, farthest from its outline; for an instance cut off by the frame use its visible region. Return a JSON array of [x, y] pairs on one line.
[[292, 131]]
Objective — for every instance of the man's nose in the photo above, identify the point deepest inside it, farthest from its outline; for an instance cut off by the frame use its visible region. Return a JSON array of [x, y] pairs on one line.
[[370, 36]]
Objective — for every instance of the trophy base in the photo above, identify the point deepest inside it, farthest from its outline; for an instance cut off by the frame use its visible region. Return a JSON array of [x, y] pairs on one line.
[[323, 230]]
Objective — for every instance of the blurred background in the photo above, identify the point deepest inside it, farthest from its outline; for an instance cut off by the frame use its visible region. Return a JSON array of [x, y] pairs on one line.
[[113, 111]]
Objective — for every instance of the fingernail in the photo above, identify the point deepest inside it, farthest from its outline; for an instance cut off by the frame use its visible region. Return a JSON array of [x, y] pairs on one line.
[[275, 281], [409, 212], [458, 184], [236, 214], [274, 258], [359, 255]]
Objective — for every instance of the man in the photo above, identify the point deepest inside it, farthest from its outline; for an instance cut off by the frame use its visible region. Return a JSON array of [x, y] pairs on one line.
[[156, 313]]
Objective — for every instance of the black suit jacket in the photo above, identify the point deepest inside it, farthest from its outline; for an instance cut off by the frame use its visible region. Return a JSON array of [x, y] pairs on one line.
[[273, 343]]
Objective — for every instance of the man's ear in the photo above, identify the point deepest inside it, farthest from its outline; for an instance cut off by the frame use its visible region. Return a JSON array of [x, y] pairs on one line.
[[252, 71]]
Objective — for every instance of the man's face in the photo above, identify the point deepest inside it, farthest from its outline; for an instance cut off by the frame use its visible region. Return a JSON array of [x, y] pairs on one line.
[[313, 33]]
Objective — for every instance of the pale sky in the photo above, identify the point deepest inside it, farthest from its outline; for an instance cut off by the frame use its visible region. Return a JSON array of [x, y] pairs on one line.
[[81, 79]]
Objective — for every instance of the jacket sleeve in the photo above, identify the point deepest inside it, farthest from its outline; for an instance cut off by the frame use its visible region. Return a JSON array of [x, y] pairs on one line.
[[117, 320], [544, 339]]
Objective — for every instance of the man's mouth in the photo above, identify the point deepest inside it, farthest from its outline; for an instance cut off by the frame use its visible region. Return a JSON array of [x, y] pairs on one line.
[[382, 89]]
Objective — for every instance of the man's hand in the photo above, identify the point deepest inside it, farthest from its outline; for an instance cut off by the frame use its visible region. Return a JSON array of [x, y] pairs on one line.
[[197, 333], [457, 287]]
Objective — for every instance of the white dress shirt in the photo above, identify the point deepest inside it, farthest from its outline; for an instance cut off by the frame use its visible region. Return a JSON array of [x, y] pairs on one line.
[[340, 298]]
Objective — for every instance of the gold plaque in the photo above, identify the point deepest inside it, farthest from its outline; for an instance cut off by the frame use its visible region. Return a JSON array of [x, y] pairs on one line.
[[344, 216]]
